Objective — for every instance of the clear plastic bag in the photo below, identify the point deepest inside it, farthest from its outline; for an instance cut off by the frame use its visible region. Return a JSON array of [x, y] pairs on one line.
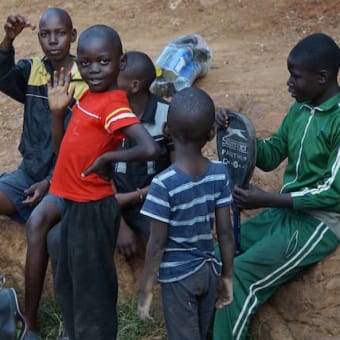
[[181, 62]]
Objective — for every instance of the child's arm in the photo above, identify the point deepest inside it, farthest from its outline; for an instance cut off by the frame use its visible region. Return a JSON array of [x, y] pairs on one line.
[[146, 149], [60, 95], [14, 76], [126, 241], [127, 199], [153, 256], [224, 232], [255, 197], [13, 27]]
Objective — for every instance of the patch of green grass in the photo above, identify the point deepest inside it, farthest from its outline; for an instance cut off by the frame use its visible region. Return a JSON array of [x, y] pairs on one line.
[[50, 319], [129, 325]]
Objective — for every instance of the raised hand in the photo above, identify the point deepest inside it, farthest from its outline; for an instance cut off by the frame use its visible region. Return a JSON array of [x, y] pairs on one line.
[[60, 93], [15, 24]]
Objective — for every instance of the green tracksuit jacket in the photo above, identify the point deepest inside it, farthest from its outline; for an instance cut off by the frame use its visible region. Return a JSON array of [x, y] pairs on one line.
[[310, 138]]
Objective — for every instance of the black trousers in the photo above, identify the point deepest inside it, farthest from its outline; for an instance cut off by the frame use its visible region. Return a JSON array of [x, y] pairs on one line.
[[85, 279]]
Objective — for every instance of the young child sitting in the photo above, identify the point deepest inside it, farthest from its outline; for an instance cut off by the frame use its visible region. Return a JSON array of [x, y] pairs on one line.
[[184, 202], [85, 277], [132, 179]]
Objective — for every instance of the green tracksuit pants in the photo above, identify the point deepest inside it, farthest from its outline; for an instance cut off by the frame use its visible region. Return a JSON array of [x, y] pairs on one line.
[[277, 244]]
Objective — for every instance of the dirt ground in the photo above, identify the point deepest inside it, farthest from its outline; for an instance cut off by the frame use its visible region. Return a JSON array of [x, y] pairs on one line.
[[250, 41]]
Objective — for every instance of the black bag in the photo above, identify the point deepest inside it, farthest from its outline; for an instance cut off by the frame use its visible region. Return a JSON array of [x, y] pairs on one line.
[[11, 317]]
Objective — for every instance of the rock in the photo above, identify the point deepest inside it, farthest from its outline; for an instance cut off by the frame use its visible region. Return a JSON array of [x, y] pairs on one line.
[[13, 254], [308, 307]]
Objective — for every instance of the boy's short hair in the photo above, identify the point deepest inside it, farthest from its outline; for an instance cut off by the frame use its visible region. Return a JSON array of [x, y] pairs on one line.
[[56, 11], [317, 51], [191, 115], [139, 66], [102, 31]]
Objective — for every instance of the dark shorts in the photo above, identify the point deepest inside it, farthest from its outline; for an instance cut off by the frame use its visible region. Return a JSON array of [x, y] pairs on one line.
[[192, 300], [85, 279], [13, 184]]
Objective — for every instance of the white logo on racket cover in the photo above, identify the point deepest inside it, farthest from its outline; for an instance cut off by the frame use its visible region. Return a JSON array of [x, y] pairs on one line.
[[236, 159], [234, 145], [236, 132]]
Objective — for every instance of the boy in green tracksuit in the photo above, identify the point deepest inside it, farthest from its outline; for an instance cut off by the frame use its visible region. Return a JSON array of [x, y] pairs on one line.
[[302, 224]]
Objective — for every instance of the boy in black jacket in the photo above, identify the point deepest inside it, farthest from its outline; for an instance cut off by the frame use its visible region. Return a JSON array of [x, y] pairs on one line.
[[21, 190]]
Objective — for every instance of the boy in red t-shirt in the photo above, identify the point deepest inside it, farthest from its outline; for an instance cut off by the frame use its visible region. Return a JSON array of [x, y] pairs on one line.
[[85, 278]]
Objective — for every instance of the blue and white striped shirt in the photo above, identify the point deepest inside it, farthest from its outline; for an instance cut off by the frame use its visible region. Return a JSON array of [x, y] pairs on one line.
[[187, 204]]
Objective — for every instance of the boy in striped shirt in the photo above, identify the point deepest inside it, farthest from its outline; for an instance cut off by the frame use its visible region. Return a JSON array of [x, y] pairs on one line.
[[184, 203]]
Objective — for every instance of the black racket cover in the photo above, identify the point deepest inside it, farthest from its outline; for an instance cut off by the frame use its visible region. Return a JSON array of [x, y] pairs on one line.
[[236, 147]]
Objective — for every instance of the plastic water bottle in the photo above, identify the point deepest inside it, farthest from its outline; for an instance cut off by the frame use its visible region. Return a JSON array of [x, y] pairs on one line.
[[187, 75], [173, 59], [181, 62]]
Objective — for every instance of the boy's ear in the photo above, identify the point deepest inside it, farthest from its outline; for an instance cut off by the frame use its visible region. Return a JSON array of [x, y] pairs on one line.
[[211, 134], [323, 76], [74, 35], [135, 86], [123, 61]]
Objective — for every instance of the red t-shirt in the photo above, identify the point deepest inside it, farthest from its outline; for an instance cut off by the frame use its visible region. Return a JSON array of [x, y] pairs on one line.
[[94, 129]]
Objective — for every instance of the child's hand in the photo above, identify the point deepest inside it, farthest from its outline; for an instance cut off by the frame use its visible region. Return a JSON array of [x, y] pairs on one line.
[[144, 304], [222, 118], [251, 198], [60, 93], [126, 242], [15, 24], [224, 292], [35, 193], [101, 167]]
